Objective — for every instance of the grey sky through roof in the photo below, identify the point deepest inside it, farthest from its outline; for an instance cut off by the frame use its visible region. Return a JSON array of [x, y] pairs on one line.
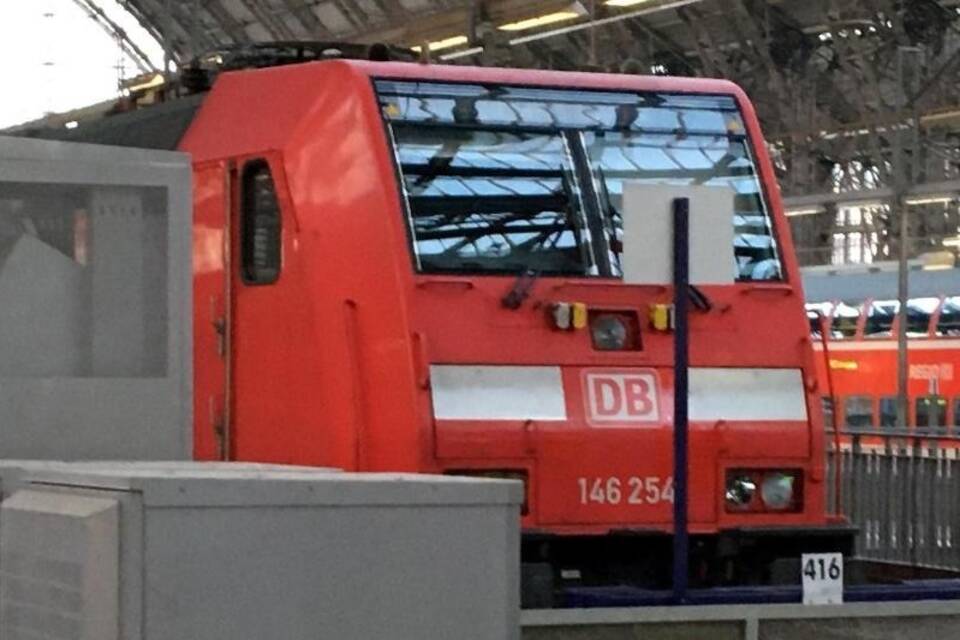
[[60, 59]]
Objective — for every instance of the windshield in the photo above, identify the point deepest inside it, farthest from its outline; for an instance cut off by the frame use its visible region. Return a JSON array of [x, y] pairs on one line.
[[503, 179]]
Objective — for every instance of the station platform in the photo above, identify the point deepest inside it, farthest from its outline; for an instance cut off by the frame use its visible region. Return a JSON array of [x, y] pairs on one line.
[[925, 620]]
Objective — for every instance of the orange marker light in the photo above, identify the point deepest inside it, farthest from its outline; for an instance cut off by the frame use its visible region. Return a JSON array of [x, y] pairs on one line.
[[579, 315], [661, 317]]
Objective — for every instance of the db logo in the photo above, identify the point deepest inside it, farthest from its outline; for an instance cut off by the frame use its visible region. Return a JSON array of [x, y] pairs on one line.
[[619, 397]]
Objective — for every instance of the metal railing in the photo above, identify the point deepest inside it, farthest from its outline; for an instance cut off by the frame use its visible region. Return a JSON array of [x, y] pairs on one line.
[[904, 495]]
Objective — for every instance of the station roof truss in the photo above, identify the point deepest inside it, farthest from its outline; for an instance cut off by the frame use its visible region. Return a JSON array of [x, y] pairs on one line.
[[852, 94]]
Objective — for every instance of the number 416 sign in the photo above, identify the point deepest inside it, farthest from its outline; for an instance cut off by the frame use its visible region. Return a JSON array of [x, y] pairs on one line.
[[822, 577]]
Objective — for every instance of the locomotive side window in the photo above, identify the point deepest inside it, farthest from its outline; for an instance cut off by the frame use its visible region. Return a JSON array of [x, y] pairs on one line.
[[260, 232], [888, 412], [505, 179], [858, 412]]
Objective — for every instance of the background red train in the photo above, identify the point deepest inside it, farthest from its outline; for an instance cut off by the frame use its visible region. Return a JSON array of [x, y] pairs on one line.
[[861, 348]]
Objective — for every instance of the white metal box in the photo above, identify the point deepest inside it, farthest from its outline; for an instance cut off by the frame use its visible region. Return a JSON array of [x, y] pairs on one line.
[[148, 552]]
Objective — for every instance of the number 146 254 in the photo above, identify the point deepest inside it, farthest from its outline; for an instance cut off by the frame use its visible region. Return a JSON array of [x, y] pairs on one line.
[[633, 490]]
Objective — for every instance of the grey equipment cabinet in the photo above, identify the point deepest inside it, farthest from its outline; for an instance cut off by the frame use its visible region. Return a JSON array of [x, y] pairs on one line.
[[95, 302], [144, 552]]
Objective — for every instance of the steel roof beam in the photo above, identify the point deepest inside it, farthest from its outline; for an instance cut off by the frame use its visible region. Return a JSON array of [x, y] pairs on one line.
[[115, 31], [429, 26], [311, 23], [268, 20], [183, 23], [227, 22]]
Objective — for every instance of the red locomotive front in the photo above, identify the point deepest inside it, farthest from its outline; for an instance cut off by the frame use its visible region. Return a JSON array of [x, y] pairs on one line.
[[453, 270]]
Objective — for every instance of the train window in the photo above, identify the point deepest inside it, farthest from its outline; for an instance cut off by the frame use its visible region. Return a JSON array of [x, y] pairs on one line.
[[814, 319], [688, 155], [956, 412], [814, 311], [919, 311], [505, 179], [260, 233], [888, 412], [493, 201], [931, 412], [845, 318], [880, 317], [949, 322], [826, 402], [858, 412]]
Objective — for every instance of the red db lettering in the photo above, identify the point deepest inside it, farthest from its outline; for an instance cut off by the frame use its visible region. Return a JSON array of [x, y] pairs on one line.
[[638, 396], [606, 394], [621, 398]]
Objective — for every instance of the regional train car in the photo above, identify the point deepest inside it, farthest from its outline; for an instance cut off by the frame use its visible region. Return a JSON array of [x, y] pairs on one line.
[[860, 348], [421, 268]]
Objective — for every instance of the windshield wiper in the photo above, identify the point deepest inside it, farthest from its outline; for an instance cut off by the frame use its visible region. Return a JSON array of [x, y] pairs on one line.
[[698, 298], [520, 290]]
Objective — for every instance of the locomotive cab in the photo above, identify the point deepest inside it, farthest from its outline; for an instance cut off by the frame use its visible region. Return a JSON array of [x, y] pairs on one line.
[[454, 270]]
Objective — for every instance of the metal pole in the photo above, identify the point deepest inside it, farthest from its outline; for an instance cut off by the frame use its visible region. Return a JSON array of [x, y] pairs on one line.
[[902, 176], [898, 204], [903, 294], [593, 33], [681, 287], [167, 38], [837, 458]]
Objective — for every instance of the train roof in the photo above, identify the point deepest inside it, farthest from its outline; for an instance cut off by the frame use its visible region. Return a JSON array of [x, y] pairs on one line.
[[163, 126], [160, 126], [877, 284]]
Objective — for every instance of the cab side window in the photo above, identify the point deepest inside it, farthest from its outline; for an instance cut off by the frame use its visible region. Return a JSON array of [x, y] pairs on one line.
[[260, 237]]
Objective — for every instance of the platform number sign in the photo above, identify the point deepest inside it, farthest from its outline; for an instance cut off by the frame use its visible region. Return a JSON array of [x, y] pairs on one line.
[[822, 578]]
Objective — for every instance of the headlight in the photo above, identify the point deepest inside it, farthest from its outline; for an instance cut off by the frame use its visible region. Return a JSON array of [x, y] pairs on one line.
[[777, 490], [609, 333], [764, 490], [740, 491]]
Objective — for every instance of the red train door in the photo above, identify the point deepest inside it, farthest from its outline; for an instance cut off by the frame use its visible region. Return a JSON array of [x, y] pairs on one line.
[[255, 232], [211, 301], [272, 370]]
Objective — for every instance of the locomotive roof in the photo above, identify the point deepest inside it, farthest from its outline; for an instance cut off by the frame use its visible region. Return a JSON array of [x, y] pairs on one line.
[[164, 126], [156, 127]]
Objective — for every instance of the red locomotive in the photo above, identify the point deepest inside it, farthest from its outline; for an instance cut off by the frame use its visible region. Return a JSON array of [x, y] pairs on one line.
[[420, 268]]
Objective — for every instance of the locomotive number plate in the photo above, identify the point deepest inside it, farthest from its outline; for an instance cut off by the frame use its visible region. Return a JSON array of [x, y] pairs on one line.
[[632, 490]]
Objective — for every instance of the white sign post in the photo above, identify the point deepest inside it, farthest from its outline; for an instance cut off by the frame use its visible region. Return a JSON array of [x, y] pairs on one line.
[[648, 233], [822, 578]]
